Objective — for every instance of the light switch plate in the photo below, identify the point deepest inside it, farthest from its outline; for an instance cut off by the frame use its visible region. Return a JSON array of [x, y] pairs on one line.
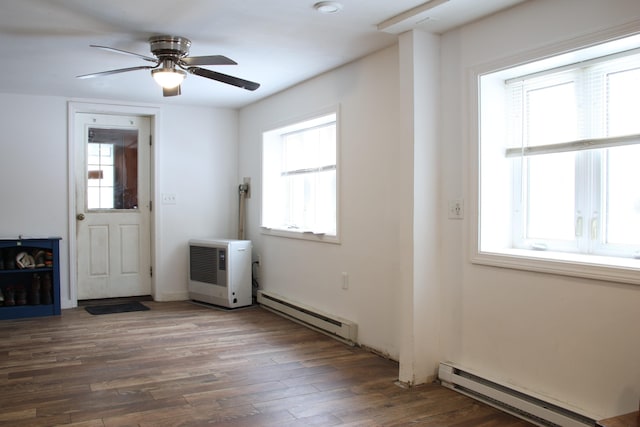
[[169, 199]]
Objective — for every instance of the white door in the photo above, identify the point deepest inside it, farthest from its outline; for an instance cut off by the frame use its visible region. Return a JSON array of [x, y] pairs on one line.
[[112, 205]]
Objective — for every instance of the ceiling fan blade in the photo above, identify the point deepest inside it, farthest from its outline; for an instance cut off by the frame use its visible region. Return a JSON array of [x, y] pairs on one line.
[[171, 92], [119, 70], [224, 78], [208, 60], [137, 55]]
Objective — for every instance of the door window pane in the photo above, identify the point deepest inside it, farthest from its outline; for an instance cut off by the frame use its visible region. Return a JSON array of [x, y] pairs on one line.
[[112, 169]]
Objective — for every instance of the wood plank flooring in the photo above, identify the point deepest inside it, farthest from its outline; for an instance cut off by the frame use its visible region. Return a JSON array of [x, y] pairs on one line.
[[180, 364]]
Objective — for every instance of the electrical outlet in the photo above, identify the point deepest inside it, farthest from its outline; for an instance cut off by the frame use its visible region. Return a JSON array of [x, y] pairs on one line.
[[456, 209], [345, 281]]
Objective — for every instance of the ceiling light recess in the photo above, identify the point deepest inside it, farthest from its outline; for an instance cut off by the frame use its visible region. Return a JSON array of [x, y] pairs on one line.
[[328, 7]]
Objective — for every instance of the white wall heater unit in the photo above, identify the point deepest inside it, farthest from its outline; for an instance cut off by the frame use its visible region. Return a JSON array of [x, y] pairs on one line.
[[518, 403], [220, 272], [336, 327]]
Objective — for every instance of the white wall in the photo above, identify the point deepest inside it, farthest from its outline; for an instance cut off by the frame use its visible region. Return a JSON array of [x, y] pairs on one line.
[[373, 200], [197, 161], [574, 340], [33, 169]]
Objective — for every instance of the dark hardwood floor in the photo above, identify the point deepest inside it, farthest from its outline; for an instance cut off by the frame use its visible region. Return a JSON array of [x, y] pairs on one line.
[[180, 364]]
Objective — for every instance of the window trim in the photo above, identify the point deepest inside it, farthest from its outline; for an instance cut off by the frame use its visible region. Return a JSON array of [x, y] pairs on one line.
[[597, 267], [307, 235]]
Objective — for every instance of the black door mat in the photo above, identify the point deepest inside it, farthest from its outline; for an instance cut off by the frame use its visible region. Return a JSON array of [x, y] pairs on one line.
[[117, 300], [116, 308]]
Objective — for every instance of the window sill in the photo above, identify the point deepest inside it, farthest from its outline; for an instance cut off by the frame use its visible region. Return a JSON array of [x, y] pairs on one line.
[[622, 270], [310, 236]]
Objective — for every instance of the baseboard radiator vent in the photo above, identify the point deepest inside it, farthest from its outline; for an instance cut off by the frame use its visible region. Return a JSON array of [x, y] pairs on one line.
[[333, 326], [517, 403]]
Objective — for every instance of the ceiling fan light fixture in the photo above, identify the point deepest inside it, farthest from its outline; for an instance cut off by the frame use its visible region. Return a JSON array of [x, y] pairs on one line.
[[172, 62], [168, 78], [328, 7]]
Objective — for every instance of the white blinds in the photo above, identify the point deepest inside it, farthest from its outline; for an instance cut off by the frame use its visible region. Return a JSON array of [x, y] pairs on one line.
[[590, 105], [584, 144]]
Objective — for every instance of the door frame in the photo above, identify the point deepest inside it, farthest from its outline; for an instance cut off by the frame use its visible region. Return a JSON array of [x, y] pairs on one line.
[[69, 297]]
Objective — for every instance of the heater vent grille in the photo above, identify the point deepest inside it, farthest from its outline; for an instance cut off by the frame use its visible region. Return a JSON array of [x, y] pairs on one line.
[[506, 407], [334, 326], [203, 264], [518, 403], [317, 315]]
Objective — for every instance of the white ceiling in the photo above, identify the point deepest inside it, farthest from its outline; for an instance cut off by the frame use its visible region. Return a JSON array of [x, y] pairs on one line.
[[278, 43]]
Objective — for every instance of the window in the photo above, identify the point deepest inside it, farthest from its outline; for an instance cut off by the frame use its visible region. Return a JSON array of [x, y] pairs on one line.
[[559, 161], [112, 169], [299, 179]]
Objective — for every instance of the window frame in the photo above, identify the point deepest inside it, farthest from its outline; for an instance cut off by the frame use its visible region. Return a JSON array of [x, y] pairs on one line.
[[499, 254], [279, 127], [590, 149]]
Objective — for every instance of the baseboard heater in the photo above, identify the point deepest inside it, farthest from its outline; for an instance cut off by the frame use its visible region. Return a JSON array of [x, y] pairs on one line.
[[517, 403], [333, 326]]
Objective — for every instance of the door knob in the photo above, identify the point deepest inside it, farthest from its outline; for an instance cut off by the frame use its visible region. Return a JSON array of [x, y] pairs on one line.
[[80, 217]]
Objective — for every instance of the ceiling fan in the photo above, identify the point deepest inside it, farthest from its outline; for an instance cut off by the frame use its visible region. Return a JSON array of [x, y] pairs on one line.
[[172, 62]]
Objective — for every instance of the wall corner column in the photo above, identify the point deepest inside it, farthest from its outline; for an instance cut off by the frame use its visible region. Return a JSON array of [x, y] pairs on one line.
[[419, 57]]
